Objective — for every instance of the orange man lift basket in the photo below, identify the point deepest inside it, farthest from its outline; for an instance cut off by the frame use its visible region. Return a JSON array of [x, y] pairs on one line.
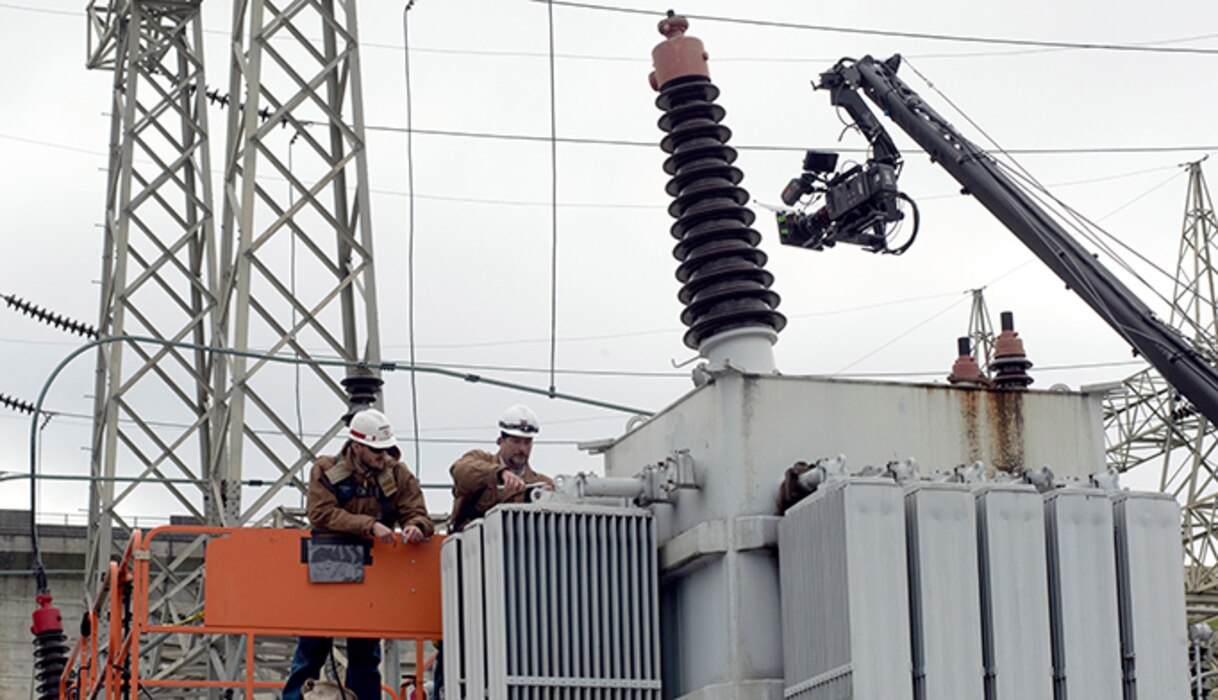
[[256, 584]]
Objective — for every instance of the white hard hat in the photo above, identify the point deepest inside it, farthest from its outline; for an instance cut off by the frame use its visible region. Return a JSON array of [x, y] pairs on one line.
[[519, 421], [370, 427]]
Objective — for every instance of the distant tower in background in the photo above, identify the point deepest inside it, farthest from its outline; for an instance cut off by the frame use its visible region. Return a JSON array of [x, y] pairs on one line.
[[185, 431], [981, 331], [1147, 422]]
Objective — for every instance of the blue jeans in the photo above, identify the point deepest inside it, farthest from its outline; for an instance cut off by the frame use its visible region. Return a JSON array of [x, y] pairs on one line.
[[363, 666], [437, 674]]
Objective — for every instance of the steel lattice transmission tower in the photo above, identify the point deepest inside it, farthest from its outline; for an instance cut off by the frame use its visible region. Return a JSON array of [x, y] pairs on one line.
[[981, 331], [220, 436], [158, 438], [155, 406], [305, 216], [1147, 422]]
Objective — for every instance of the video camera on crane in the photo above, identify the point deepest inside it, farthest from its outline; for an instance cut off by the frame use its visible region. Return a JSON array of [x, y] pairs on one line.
[[862, 205]]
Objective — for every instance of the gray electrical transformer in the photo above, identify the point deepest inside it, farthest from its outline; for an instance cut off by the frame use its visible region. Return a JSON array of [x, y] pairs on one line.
[[552, 601], [881, 584]]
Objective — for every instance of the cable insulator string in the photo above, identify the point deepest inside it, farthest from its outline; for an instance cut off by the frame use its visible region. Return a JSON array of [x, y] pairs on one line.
[[17, 404], [49, 317]]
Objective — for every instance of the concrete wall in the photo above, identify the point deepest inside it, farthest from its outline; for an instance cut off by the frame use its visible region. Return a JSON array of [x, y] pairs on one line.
[[63, 553]]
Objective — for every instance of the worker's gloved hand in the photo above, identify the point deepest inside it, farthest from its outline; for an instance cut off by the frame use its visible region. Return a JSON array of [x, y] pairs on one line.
[[512, 484], [412, 535], [384, 534]]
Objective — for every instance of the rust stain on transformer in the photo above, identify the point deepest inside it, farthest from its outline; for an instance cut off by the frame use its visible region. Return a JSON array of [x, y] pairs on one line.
[[993, 428], [969, 401], [1005, 415]]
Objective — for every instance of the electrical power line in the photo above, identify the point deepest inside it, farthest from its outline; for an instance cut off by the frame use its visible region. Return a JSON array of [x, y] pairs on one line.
[[963, 38], [641, 205], [453, 365], [588, 141], [643, 374], [414, 387], [656, 205], [42, 10], [676, 331], [567, 371], [911, 329], [1038, 46], [82, 419], [52, 144], [553, 201], [598, 337], [1139, 198]]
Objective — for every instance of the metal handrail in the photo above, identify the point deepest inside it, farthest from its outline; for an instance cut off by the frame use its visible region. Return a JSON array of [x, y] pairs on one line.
[[88, 676]]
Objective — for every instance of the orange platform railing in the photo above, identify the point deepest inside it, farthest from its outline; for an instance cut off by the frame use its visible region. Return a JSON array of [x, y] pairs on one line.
[[255, 584]]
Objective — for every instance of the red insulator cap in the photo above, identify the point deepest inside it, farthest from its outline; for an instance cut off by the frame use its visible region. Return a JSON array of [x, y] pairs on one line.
[[1008, 342], [679, 56], [46, 617], [965, 369], [1010, 363]]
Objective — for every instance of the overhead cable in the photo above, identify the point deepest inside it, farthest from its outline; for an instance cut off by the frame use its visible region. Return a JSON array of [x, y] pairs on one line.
[[768, 147], [1093, 150], [414, 388], [74, 418], [964, 38], [911, 329], [1150, 47], [553, 202]]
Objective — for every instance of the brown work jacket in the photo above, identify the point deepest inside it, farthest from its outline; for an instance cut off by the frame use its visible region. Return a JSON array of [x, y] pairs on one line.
[[477, 476], [402, 502]]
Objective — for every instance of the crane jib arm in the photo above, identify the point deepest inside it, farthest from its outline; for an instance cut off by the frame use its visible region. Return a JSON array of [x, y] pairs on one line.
[[1171, 354]]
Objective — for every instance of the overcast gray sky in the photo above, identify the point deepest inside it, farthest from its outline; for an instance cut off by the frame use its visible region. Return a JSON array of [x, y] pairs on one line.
[[483, 232]]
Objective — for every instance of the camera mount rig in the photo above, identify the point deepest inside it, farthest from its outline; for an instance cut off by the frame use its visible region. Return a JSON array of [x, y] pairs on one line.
[[862, 205], [1192, 370]]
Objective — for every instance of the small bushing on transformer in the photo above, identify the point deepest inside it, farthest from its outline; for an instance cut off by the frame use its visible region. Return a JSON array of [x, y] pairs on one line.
[[965, 370], [1010, 363]]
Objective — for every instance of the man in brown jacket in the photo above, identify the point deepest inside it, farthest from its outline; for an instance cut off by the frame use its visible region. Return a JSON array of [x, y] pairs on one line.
[[482, 480], [365, 491]]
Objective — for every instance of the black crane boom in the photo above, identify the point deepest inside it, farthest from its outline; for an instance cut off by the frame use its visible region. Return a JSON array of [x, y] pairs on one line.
[[1167, 350]]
